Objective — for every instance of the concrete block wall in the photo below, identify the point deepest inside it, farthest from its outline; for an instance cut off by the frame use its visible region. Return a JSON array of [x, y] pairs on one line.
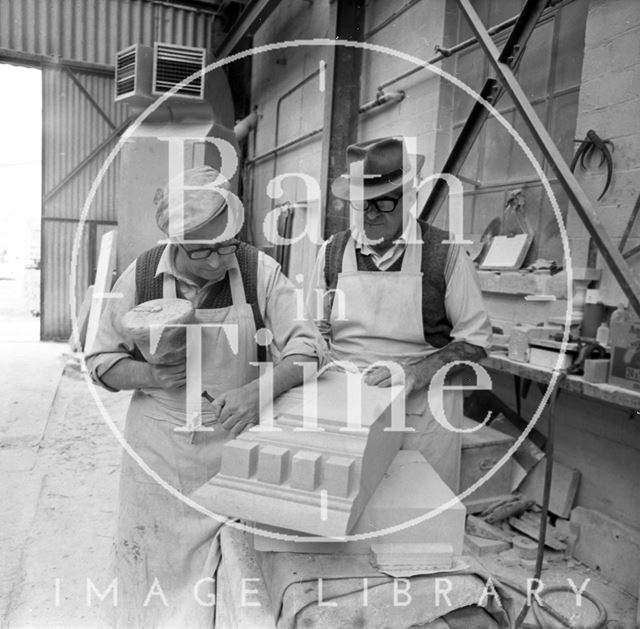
[[275, 73], [610, 105], [420, 114], [415, 32]]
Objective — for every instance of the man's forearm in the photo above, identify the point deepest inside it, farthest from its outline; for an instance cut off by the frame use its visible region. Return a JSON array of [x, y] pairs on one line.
[[286, 374], [129, 374], [457, 351]]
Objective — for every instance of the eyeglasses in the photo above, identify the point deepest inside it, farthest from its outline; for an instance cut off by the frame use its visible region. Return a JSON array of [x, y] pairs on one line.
[[382, 204], [204, 252]]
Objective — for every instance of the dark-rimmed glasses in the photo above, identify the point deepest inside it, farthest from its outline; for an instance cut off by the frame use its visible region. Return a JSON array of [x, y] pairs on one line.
[[382, 204], [202, 253]]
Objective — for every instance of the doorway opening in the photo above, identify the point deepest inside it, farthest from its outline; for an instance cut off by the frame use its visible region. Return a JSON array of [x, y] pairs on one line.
[[20, 202]]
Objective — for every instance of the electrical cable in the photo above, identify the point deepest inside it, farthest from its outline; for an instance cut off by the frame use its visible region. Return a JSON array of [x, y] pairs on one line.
[[600, 621], [532, 602]]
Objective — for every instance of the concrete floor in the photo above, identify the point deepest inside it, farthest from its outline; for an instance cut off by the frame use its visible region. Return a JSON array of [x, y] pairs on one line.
[[58, 483]]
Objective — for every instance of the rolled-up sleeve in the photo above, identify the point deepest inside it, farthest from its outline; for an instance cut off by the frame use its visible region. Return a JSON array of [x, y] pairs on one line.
[[463, 301], [112, 344], [285, 314]]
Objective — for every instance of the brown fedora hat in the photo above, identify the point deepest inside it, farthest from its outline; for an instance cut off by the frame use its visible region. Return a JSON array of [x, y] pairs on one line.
[[386, 167]]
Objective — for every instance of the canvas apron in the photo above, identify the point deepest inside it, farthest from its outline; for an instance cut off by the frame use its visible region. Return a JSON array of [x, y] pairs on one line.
[[158, 536], [383, 321]]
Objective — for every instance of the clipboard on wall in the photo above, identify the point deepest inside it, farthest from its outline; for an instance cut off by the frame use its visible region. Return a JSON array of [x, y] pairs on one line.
[[506, 253]]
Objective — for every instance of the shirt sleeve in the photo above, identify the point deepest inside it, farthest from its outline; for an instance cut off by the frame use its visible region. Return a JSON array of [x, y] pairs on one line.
[[112, 344], [285, 314], [463, 301]]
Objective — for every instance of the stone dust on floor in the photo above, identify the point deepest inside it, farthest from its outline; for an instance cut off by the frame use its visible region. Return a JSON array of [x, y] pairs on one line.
[[620, 606], [59, 462]]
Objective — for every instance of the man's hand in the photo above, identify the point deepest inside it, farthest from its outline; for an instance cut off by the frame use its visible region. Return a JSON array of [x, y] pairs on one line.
[[239, 408], [383, 377], [169, 376], [419, 373]]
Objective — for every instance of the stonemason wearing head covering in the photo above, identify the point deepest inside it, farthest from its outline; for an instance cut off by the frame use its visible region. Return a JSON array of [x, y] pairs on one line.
[[228, 284], [406, 295], [196, 196], [386, 167]]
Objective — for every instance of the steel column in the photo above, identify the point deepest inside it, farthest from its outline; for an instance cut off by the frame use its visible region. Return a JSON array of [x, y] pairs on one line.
[[576, 194], [342, 104]]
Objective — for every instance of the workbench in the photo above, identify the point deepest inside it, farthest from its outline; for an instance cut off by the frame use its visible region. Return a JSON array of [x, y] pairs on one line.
[[289, 590], [574, 384]]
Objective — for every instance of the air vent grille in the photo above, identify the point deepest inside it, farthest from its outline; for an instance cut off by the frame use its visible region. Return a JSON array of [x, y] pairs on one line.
[[174, 64], [126, 71]]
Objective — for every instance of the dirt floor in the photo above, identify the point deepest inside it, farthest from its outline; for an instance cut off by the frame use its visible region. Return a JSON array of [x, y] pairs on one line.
[[59, 464]]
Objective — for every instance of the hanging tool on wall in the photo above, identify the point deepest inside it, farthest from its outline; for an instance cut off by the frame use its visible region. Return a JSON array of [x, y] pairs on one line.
[[591, 145]]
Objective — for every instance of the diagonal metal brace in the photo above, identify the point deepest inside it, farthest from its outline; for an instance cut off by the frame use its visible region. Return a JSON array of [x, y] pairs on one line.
[[576, 194], [492, 91]]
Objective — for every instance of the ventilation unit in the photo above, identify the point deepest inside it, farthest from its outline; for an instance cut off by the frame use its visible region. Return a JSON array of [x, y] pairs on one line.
[[198, 120], [173, 64], [144, 73], [133, 74]]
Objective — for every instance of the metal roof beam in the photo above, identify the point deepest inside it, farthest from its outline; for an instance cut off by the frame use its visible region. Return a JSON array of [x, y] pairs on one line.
[[36, 60], [248, 23]]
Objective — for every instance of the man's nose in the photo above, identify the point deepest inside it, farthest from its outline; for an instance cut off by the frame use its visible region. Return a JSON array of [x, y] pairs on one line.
[[214, 260], [371, 211]]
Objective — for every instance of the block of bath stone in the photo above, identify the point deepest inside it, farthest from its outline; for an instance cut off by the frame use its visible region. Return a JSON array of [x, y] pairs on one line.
[[482, 546], [391, 506], [171, 347], [337, 475], [240, 459], [272, 464], [426, 556], [305, 470], [352, 462], [564, 486]]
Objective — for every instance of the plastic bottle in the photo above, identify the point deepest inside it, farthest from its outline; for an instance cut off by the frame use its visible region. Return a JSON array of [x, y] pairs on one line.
[[602, 334], [619, 315]]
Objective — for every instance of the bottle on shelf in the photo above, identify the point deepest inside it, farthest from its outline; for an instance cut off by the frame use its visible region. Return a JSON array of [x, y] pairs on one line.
[[602, 334], [620, 315]]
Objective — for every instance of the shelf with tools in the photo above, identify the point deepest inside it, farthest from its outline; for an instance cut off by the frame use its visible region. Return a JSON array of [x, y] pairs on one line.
[[574, 384]]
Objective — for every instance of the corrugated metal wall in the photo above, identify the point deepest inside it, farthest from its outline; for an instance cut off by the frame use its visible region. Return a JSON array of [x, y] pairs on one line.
[[74, 128], [93, 30]]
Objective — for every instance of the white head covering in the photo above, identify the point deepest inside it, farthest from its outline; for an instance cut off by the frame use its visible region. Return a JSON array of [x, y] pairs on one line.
[[195, 197]]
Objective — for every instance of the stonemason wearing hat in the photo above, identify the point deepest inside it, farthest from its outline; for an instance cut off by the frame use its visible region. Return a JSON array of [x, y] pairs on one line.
[[394, 291], [227, 282]]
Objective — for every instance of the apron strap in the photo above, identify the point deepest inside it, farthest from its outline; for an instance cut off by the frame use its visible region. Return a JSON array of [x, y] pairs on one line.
[[349, 263], [239, 298], [238, 295], [412, 259]]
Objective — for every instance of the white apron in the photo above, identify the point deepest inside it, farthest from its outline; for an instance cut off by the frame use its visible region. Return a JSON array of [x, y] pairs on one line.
[[383, 321], [158, 536]]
